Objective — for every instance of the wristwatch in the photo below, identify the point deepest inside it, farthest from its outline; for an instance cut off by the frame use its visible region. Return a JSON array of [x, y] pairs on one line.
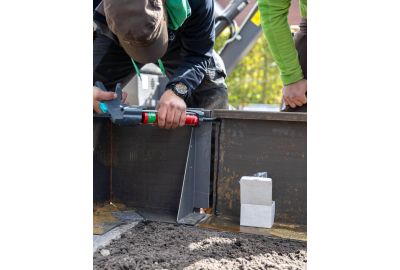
[[180, 90]]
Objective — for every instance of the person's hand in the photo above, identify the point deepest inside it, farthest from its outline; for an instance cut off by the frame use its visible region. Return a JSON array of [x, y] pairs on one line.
[[171, 111], [99, 96], [295, 94]]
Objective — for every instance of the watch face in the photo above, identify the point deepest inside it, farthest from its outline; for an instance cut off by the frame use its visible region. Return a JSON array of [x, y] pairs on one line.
[[181, 88]]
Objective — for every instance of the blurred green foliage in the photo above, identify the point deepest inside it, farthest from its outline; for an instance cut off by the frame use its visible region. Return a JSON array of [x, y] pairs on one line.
[[256, 78]]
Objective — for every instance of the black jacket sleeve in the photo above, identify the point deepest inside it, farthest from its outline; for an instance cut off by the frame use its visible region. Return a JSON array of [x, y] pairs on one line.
[[197, 40]]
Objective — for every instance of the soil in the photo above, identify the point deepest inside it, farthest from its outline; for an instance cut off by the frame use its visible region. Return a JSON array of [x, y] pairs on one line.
[[155, 245]]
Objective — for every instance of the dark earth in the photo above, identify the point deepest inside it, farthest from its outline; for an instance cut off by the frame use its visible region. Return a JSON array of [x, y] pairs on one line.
[[155, 245]]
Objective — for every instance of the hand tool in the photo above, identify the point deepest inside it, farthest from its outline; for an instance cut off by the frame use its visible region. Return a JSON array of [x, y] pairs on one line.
[[122, 114]]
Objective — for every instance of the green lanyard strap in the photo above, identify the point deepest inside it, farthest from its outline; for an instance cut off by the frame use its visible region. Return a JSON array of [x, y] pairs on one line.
[[160, 64], [136, 69]]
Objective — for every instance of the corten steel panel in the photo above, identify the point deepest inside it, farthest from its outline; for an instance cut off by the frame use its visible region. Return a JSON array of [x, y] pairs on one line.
[[258, 115], [247, 146], [101, 159], [148, 165]]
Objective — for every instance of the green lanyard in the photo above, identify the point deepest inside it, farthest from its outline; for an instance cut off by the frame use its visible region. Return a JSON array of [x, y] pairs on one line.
[[160, 64]]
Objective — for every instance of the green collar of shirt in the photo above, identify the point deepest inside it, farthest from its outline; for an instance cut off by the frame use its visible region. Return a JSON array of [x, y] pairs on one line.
[[178, 12]]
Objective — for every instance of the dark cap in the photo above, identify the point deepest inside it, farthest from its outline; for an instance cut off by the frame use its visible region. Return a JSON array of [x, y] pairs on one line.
[[141, 27]]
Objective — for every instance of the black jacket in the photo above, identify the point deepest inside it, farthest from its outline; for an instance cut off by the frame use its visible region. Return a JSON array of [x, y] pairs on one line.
[[190, 48]]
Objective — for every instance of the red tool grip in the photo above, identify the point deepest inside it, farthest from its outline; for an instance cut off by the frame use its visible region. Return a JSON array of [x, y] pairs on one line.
[[145, 118], [191, 120]]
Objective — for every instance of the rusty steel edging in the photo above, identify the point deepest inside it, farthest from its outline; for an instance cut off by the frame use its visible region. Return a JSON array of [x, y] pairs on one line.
[[245, 143], [251, 142], [257, 115]]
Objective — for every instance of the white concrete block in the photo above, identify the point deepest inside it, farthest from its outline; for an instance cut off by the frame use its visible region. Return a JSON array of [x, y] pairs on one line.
[[261, 216], [256, 190]]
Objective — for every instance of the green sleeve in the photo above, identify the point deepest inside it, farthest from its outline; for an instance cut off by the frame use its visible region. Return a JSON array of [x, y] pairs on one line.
[[275, 25]]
